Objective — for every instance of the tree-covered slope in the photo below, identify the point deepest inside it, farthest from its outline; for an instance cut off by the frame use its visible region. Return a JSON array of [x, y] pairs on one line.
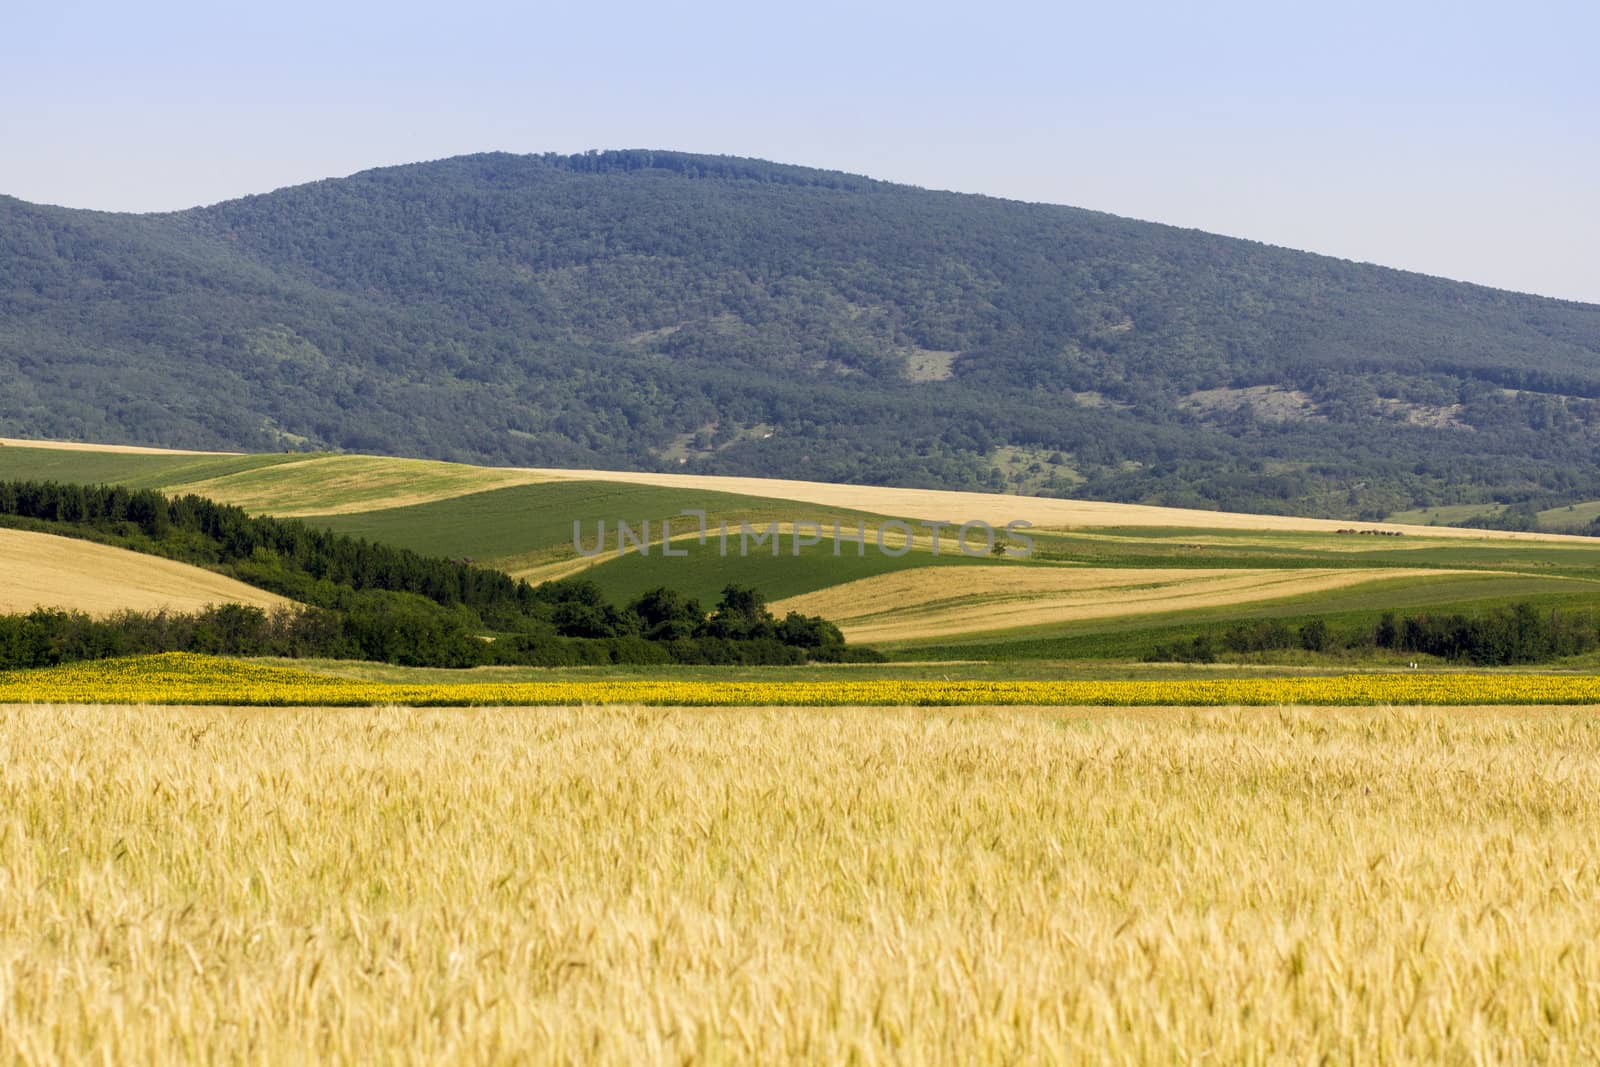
[[661, 310]]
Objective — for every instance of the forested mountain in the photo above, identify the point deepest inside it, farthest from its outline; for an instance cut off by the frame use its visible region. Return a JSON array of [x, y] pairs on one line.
[[660, 310]]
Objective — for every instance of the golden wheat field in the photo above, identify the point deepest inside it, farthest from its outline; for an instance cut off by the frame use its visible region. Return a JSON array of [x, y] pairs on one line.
[[629, 885], [43, 570]]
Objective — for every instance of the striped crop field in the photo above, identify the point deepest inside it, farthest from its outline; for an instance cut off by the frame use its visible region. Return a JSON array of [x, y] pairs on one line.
[[916, 604], [322, 483]]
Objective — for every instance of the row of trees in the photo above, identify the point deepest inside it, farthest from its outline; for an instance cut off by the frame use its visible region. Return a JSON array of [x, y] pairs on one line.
[[1516, 633], [285, 556], [659, 627]]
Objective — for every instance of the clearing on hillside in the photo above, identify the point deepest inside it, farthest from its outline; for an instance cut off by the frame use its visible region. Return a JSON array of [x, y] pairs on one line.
[[42, 570]]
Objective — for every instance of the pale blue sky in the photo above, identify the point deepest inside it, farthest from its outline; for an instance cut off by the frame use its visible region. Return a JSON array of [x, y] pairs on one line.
[[1460, 139]]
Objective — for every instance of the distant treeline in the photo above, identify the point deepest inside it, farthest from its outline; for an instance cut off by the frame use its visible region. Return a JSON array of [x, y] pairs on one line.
[[1518, 633], [374, 601]]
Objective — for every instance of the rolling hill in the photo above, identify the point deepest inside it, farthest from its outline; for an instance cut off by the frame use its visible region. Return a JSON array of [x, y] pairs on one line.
[[655, 311], [1105, 580]]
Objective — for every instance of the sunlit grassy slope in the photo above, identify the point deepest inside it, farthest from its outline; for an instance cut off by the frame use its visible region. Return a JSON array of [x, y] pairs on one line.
[[1573, 517], [984, 885]]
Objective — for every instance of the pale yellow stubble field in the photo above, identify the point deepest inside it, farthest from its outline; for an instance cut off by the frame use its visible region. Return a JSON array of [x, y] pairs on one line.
[[928, 602], [769, 885], [43, 570]]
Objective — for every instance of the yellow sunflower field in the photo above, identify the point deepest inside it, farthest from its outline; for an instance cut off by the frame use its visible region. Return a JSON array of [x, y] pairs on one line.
[[185, 678]]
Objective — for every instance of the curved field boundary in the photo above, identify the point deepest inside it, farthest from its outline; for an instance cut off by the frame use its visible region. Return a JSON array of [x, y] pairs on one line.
[[188, 679], [345, 484], [42, 570], [998, 509], [122, 450], [136, 470], [943, 602]]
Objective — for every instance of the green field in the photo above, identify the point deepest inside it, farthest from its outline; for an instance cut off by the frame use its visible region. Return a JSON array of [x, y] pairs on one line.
[[705, 571], [1446, 514], [139, 471], [520, 526], [1575, 517]]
